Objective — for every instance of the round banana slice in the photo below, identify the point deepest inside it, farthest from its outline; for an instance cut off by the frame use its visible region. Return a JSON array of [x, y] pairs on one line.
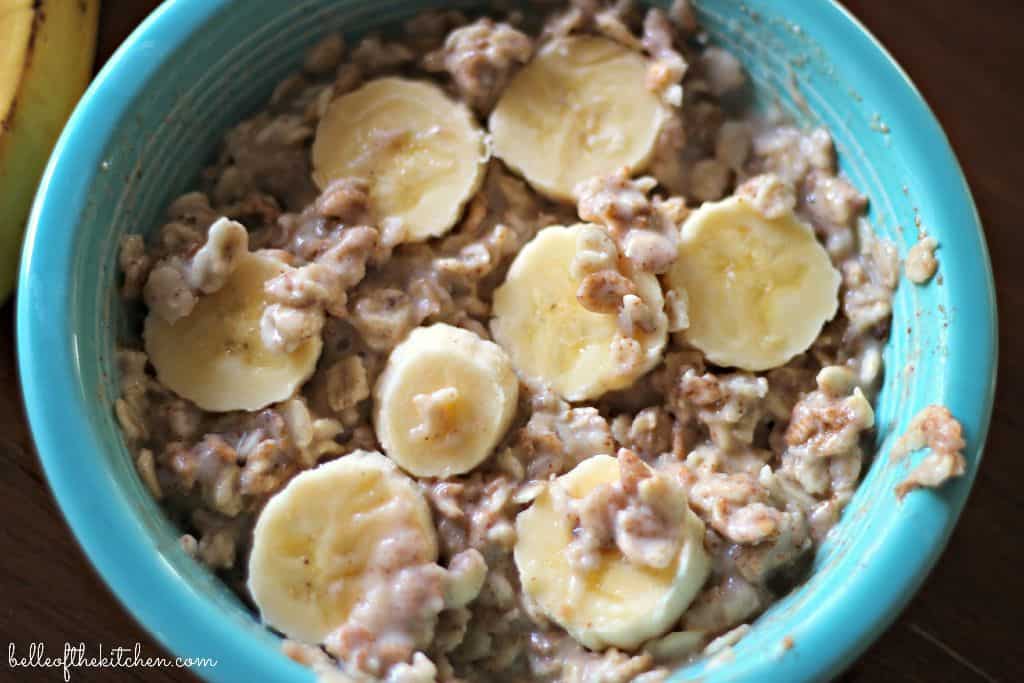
[[580, 109], [444, 401], [319, 541], [422, 154], [759, 289], [215, 356], [618, 603], [552, 338]]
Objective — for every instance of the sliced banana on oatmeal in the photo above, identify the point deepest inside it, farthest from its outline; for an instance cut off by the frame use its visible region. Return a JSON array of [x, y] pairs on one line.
[[318, 542], [553, 339], [422, 153], [616, 603], [759, 289], [580, 109], [444, 401], [215, 356]]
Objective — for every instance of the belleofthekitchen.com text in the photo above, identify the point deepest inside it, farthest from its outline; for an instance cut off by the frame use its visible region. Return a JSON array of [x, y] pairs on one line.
[[77, 657]]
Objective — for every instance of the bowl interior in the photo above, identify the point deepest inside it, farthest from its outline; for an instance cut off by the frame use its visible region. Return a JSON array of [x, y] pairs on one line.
[[153, 120]]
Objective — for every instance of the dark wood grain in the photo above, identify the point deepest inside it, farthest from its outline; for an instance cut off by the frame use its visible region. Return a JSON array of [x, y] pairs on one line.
[[967, 59]]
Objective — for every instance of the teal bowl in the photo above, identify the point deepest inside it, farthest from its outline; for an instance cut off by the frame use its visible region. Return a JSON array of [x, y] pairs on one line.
[[154, 116]]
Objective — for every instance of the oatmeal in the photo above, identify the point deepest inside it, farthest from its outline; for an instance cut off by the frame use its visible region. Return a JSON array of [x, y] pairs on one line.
[[935, 428], [500, 349], [921, 262]]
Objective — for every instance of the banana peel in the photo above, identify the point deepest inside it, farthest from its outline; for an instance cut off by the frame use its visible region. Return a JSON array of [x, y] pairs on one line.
[[46, 56]]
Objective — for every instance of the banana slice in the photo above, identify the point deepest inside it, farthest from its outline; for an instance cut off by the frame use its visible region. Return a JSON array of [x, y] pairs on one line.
[[617, 603], [444, 401], [759, 289], [580, 109], [317, 543], [422, 153], [552, 338], [215, 356]]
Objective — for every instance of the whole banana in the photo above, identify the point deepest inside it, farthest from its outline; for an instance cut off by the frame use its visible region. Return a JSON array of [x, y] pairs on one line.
[[46, 55]]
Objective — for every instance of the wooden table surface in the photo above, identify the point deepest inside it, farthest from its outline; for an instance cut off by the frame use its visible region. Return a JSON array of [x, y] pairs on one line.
[[962, 626]]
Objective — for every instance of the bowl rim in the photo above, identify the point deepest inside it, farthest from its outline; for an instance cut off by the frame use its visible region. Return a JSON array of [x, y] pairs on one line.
[[189, 625]]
